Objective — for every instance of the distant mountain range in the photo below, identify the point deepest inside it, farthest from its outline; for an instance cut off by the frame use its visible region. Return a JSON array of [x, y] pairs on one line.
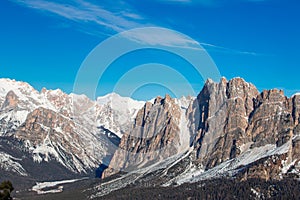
[[70, 132], [230, 130]]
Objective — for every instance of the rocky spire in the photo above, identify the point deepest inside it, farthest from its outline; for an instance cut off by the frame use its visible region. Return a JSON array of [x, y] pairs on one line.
[[224, 110], [11, 101], [155, 136]]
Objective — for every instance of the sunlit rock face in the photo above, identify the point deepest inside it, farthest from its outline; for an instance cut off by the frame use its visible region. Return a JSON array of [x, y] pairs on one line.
[[155, 136], [227, 121], [224, 110]]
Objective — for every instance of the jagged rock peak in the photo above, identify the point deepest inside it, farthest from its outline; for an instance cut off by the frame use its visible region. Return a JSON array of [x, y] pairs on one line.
[[168, 98], [11, 100], [272, 95], [233, 88], [209, 81], [223, 80], [155, 135], [160, 100], [44, 90]]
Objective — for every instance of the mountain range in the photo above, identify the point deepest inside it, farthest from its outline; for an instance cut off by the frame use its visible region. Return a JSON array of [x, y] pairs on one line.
[[230, 130]]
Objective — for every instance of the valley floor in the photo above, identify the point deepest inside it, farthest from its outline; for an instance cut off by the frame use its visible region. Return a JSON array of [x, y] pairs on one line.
[[209, 189]]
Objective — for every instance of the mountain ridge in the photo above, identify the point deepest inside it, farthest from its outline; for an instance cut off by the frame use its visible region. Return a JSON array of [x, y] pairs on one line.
[[229, 130], [236, 132], [53, 127]]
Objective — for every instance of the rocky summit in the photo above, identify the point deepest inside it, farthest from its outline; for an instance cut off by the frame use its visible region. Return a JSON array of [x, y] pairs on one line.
[[227, 121], [229, 131], [50, 131]]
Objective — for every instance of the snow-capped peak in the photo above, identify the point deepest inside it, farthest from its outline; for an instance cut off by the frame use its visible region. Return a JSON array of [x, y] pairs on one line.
[[107, 98], [121, 104], [117, 112], [110, 97], [296, 94], [73, 117], [71, 114], [21, 89]]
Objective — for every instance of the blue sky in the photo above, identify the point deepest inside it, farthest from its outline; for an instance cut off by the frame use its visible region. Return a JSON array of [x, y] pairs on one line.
[[45, 42]]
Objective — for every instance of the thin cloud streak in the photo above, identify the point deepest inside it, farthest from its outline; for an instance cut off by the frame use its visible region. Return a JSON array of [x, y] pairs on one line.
[[85, 12], [161, 37], [206, 2], [228, 50]]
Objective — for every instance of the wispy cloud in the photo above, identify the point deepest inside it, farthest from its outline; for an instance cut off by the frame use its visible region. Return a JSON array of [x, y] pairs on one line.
[[187, 2], [206, 2], [155, 36], [177, 1], [109, 21], [165, 37], [85, 12], [228, 50]]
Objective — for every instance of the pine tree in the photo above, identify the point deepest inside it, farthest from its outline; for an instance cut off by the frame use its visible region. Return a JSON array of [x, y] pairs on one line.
[[6, 188]]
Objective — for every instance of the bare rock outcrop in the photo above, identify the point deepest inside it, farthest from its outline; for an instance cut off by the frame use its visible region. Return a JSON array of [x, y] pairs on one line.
[[226, 121], [52, 136], [155, 136], [225, 108], [11, 101]]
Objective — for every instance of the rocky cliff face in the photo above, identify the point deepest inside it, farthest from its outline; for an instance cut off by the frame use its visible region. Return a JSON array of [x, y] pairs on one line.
[[274, 120], [49, 135], [232, 129], [224, 110], [11, 101], [155, 136]]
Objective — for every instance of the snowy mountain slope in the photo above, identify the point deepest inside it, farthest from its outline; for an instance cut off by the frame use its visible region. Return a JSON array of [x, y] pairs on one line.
[[180, 169], [66, 128], [61, 139], [231, 167], [117, 113], [11, 164]]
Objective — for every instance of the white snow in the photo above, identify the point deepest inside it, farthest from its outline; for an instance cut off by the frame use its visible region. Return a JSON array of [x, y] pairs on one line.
[[43, 151], [296, 94], [120, 103], [184, 133], [286, 166], [256, 193], [117, 113], [229, 167], [10, 163], [13, 119], [245, 147], [58, 129], [114, 112], [115, 184], [184, 102], [81, 116], [24, 91], [39, 187]]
